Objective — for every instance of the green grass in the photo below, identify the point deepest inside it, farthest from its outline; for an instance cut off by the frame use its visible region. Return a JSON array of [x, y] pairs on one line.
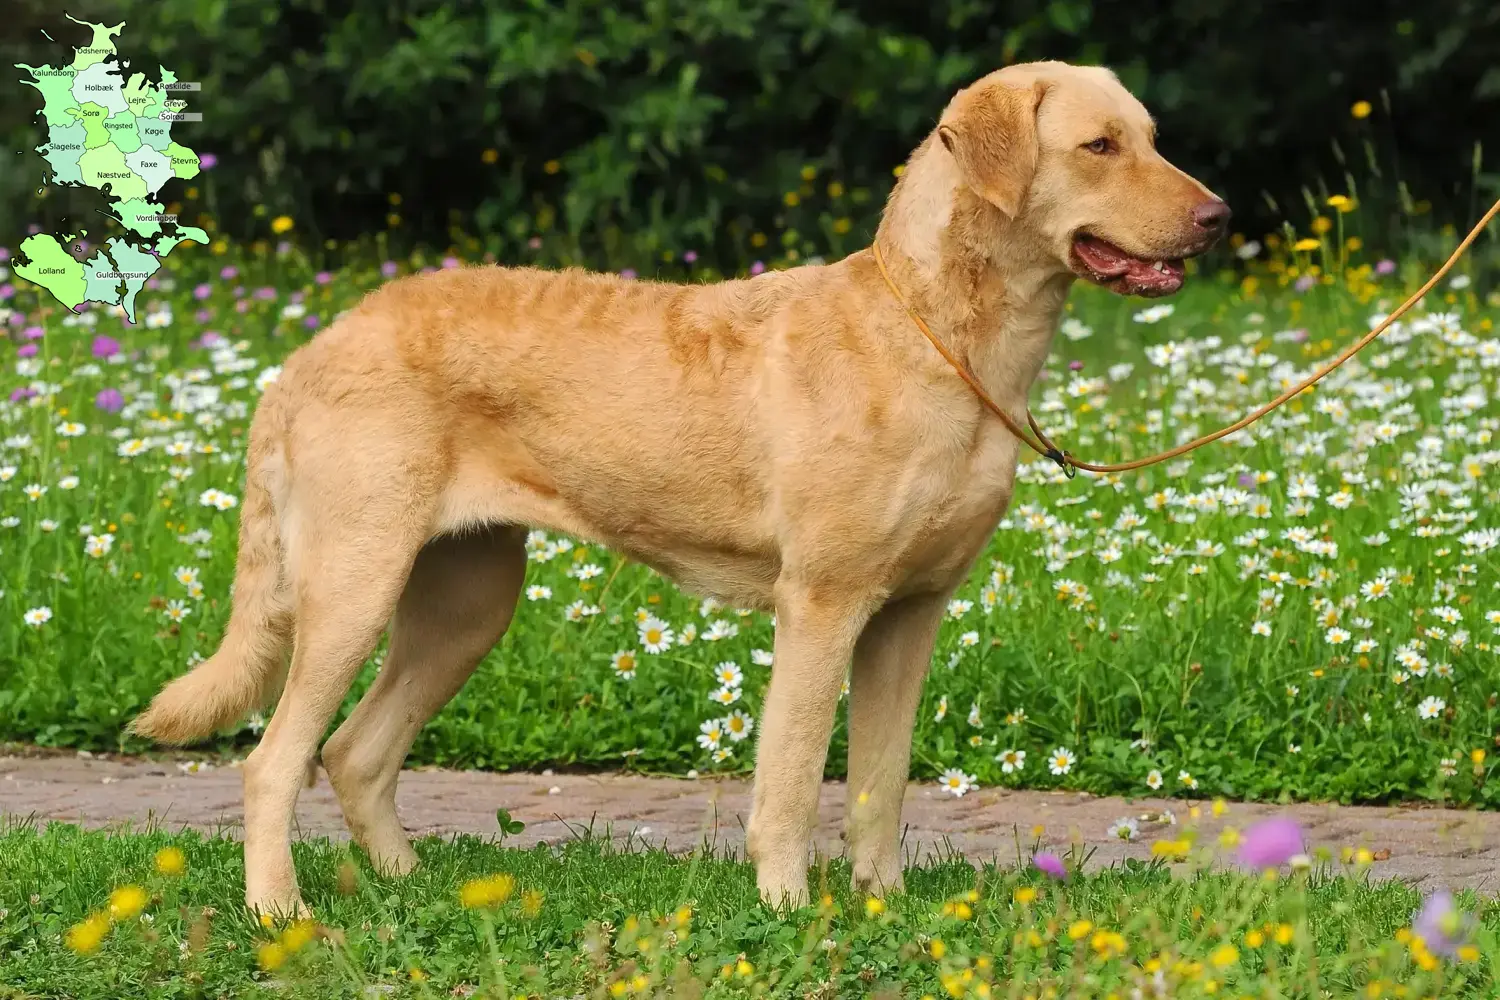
[[1114, 619], [580, 918]]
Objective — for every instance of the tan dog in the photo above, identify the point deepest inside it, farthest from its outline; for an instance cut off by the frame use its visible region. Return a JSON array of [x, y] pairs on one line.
[[788, 442]]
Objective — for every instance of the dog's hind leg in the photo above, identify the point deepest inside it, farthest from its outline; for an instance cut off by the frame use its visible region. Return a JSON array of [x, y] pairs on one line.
[[457, 603], [356, 517]]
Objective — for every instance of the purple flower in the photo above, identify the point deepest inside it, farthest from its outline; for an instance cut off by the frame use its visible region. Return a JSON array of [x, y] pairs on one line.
[[203, 291], [33, 229], [1271, 843], [322, 277], [7, 290], [389, 269], [1440, 924], [535, 243], [237, 291], [311, 321], [1246, 481], [203, 315], [628, 273], [229, 272], [82, 246], [1299, 336], [26, 351], [152, 283], [690, 256], [1305, 282], [21, 392], [451, 262], [1050, 864], [211, 337], [283, 248], [207, 161], [265, 293], [1075, 366], [33, 333], [105, 347], [4, 253], [428, 269], [1386, 266], [757, 267], [242, 306], [109, 400], [17, 319]]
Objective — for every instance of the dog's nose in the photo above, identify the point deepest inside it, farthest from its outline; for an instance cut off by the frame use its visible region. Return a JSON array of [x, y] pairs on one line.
[[1211, 215]]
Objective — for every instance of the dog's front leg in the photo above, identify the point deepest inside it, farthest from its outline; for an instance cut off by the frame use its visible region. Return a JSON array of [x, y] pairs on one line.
[[890, 663], [816, 629]]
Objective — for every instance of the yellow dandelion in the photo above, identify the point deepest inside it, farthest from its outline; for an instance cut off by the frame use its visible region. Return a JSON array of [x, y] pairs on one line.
[[791, 199], [281, 224], [490, 891], [271, 956], [937, 949], [531, 903], [1306, 244], [1025, 895], [1254, 939], [1224, 955], [552, 166], [1361, 109], [85, 937], [1079, 929], [1322, 224], [171, 861], [874, 907], [126, 902], [297, 935]]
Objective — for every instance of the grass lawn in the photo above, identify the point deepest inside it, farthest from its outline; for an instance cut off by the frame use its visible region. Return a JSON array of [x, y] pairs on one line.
[[479, 919], [1306, 610]]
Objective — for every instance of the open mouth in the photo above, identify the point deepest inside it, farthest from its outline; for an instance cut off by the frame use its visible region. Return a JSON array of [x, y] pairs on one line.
[[1106, 264]]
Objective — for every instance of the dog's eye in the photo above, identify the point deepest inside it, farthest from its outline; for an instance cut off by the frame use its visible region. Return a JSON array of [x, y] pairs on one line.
[[1100, 145]]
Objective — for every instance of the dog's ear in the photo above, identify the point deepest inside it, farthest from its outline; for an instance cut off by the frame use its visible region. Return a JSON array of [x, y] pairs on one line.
[[991, 132]]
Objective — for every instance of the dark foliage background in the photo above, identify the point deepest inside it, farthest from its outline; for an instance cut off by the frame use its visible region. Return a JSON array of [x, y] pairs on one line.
[[622, 128]]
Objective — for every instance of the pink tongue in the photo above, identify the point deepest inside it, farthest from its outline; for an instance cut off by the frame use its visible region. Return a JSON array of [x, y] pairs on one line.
[[1107, 254]]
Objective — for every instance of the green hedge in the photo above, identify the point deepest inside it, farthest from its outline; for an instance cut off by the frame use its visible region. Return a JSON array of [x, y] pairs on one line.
[[623, 128]]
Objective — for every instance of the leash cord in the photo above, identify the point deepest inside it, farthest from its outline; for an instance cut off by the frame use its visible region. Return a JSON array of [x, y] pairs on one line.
[[1047, 448]]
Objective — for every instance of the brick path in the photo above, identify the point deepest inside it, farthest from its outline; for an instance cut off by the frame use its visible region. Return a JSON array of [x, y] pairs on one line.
[[1434, 846]]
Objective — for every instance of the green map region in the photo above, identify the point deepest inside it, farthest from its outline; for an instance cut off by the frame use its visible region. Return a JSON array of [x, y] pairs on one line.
[[115, 136]]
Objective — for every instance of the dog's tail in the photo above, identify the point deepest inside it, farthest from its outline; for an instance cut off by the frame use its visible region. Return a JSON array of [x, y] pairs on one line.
[[250, 662]]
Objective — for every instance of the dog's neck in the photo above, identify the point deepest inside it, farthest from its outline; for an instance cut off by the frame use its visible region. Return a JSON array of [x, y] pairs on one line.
[[985, 285]]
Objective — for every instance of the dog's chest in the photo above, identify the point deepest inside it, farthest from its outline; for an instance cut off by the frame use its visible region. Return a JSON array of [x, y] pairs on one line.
[[954, 514]]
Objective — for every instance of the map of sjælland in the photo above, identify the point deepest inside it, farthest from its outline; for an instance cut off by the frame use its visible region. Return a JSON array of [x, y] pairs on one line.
[[114, 135]]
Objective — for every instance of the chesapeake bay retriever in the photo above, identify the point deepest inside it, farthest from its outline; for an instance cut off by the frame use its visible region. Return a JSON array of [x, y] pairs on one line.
[[789, 441]]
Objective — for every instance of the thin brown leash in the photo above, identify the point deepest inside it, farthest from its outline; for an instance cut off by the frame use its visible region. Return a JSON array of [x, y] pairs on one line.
[[1044, 445]]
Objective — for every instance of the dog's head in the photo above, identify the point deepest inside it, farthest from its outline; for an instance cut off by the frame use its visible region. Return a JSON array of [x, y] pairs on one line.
[[1069, 156]]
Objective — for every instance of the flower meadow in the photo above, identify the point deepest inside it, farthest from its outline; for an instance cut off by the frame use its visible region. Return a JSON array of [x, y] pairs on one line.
[[1307, 609], [151, 914]]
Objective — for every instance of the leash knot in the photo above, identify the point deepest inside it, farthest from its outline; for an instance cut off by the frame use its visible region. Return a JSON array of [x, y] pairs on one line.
[[1063, 459]]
